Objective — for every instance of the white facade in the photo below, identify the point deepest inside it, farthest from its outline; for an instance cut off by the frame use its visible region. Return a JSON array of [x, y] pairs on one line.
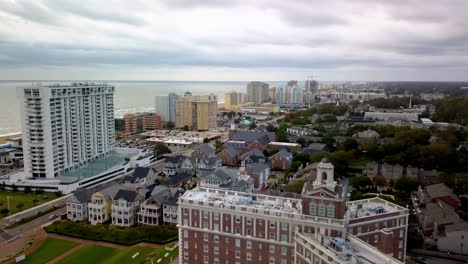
[[124, 213], [77, 211], [454, 241], [65, 127]]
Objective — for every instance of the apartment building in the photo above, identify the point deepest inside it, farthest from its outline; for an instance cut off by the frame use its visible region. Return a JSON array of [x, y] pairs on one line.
[[165, 107], [225, 226], [197, 112], [257, 92], [65, 126], [139, 122], [234, 100]]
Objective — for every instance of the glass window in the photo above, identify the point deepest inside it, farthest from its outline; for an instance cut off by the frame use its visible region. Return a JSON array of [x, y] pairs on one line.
[[321, 209], [331, 210], [312, 208]]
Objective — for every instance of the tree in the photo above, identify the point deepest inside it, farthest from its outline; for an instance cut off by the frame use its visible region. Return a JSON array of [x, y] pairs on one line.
[[186, 128], [252, 126], [27, 189], [170, 125], [162, 149], [301, 141], [218, 146], [206, 140], [295, 186], [349, 144], [295, 165], [406, 185], [361, 183]]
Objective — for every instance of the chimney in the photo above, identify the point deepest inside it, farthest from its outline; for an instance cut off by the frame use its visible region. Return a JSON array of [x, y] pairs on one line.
[[385, 243]]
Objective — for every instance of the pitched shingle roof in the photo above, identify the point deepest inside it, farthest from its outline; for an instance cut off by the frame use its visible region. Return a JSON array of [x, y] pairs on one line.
[[127, 195], [175, 159], [140, 173], [286, 154], [82, 195], [440, 190], [251, 136], [177, 179], [208, 150], [231, 151]]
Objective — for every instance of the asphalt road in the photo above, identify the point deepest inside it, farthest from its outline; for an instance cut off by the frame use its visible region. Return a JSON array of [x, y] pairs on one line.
[[18, 231]]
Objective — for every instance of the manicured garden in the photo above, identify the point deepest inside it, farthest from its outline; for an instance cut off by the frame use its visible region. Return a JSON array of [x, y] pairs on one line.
[[125, 236], [20, 201], [50, 249], [106, 255]]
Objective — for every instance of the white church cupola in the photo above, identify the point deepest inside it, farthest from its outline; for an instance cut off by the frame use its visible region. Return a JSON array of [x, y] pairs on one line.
[[325, 174]]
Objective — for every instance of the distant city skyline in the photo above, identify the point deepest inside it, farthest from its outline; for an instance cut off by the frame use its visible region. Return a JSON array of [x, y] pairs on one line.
[[216, 40]]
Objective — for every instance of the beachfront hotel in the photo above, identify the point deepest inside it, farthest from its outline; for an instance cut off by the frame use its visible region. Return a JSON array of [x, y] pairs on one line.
[[65, 126], [317, 226]]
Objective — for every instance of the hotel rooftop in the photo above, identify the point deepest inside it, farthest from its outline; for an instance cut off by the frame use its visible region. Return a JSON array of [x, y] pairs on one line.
[[371, 207], [339, 250]]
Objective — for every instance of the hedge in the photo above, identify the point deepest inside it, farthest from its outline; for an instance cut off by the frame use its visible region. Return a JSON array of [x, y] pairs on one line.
[[121, 235]]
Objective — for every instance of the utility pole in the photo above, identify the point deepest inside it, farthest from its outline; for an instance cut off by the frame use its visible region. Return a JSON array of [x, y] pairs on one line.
[[8, 201]]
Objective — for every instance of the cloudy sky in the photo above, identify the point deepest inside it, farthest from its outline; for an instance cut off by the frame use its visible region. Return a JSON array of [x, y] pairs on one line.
[[234, 39]]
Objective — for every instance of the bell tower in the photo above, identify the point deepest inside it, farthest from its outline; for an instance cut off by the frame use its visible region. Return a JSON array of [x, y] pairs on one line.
[[325, 174]]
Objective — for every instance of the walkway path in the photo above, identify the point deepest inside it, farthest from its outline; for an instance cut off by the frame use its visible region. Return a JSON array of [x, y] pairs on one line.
[[102, 243]]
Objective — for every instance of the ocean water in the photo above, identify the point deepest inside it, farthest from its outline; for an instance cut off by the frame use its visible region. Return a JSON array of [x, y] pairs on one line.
[[129, 97]]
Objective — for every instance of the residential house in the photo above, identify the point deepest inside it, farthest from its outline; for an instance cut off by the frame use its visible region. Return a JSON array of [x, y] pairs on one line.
[[228, 178], [77, 205], [181, 179], [207, 166], [391, 172], [260, 172], [253, 139], [171, 209], [438, 192], [173, 164], [434, 217], [151, 212], [240, 146], [229, 156], [125, 207], [316, 147], [372, 169], [412, 172], [454, 239], [219, 177], [142, 177], [281, 160], [203, 152], [100, 205]]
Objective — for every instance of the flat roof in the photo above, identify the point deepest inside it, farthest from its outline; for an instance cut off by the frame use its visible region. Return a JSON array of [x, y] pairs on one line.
[[371, 207], [257, 201], [99, 166], [284, 143], [350, 250]]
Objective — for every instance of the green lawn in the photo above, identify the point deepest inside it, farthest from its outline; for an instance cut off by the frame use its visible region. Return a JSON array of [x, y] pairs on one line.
[[106, 255], [48, 250], [27, 200], [90, 254]]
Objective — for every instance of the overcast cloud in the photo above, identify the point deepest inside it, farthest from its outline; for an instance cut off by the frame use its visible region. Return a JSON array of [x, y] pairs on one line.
[[234, 39]]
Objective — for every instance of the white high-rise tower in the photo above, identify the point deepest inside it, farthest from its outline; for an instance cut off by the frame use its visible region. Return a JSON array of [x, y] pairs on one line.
[[65, 127]]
